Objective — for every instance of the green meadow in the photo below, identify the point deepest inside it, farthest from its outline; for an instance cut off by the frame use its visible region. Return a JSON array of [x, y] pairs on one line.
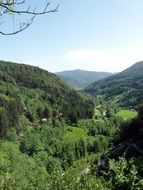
[[75, 133], [126, 114]]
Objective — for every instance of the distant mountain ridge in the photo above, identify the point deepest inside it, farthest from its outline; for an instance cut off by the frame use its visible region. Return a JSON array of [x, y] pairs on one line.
[[79, 79], [124, 88]]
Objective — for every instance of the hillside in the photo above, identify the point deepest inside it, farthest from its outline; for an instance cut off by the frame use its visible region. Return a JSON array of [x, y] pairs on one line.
[[80, 79], [46, 140], [124, 88], [35, 108], [40, 138], [41, 93]]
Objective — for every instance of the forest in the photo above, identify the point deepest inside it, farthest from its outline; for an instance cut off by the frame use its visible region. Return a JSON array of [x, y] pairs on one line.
[[54, 137], [71, 108], [124, 88]]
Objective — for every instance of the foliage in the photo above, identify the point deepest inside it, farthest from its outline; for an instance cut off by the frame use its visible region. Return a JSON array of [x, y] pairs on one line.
[[3, 122], [18, 171], [46, 128], [40, 94], [83, 182], [131, 130], [124, 174], [125, 88]]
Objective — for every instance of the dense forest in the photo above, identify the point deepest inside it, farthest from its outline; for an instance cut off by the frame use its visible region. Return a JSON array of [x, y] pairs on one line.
[[56, 138], [124, 89], [42, 93]]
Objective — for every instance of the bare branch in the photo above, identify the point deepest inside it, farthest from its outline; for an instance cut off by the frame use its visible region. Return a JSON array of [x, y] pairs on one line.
[[45, 11], [21, 28], [11, 8]]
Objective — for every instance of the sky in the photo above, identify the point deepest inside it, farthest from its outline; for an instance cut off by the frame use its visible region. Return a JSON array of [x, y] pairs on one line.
[[94, 35]]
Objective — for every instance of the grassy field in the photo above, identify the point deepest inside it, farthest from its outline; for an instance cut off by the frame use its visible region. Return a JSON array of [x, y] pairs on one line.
[[75, 133], [97, 112], [126, 114]]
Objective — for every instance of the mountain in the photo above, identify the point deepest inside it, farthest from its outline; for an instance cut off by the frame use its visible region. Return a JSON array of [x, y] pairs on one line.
[[38, 143], [80, 79], [38, 94], [124, 88], [36, 110]]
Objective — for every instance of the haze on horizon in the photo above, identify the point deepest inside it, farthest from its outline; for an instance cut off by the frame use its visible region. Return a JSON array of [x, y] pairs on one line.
[[92, 35]]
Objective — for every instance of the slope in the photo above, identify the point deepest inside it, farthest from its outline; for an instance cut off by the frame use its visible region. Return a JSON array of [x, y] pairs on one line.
[[80, 79], [34, 105], [41, 94], [124, 89]]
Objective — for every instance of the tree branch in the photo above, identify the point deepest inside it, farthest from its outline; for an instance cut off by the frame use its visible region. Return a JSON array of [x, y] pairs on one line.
[[21, 28], [12, 8], [45, 11]]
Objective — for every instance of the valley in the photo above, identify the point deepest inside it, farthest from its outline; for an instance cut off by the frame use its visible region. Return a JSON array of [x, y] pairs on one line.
[[71, 95], [79, 79], [55, 137]]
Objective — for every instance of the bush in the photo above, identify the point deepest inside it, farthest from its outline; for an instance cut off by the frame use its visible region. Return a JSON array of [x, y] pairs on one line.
[[124, 174]]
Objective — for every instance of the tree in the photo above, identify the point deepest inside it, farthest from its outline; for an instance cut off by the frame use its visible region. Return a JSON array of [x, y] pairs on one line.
[[47, 112], [3, 122], [22, 13], [73, 118], [140, 112]]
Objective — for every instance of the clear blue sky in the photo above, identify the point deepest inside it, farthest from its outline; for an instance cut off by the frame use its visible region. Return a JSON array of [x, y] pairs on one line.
[[95, 35]]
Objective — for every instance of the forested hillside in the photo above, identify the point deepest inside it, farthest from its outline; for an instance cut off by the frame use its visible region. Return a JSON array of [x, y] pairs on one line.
[[76, 129], [42, 93], [124, 89], [36, 108], [46, 129], [80, 79], [52, 137]]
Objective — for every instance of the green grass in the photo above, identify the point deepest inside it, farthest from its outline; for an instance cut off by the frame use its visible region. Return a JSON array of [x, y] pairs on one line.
[[126, 114], [97, 111], [76, 133]]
